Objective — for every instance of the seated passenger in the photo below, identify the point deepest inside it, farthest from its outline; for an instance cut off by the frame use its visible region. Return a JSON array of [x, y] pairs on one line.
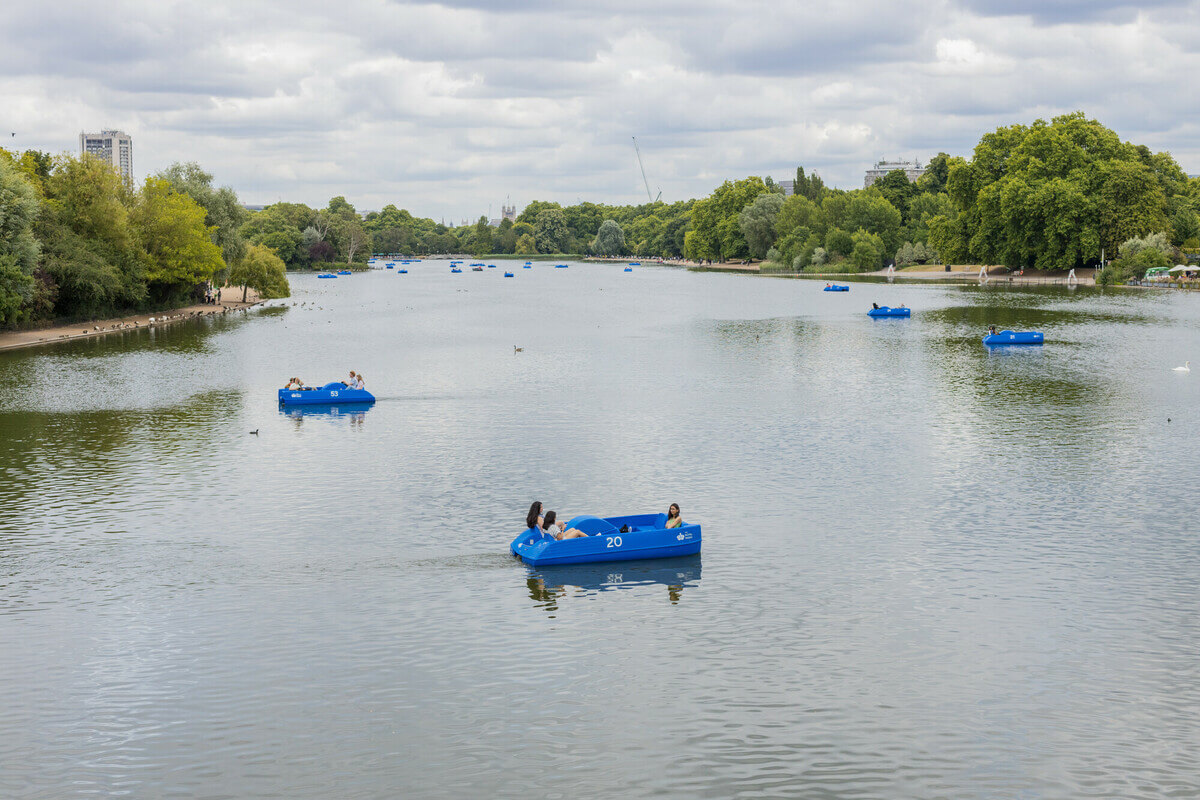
[[350, 383], [295, 383], [358, 382], [534, 518], [552, 527], [673, 518], [874, 305]]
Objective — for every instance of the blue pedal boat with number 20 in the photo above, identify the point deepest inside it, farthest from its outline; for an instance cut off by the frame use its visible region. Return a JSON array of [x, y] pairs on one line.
[[336, 393], [645, 537]]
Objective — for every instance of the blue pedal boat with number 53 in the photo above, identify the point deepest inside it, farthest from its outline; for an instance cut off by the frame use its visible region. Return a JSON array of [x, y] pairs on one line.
[[329, 394], [1013, 337], [644, 536]]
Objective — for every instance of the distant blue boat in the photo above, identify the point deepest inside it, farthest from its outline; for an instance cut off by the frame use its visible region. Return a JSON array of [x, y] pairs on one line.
[[884, 311], [344, 272], [327, 275], [456, 269], [390, 266], [491, 266], [331, 393], [644, 536], [635, 263], [527, 266], [402, 271], [560, 266], [1011, 337], [629, 269], [508, 274], [837, 288]]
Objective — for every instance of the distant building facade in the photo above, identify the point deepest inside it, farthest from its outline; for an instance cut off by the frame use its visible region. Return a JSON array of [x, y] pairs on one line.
[[789, 187], [912, 169], [115, 147]]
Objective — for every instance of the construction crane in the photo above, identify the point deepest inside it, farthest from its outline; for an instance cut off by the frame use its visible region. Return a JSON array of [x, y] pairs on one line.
[[643, 169]]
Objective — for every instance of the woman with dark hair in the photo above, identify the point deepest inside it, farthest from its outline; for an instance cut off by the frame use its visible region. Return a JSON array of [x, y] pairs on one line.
[[673, 518], [534, 518], [552, 527]]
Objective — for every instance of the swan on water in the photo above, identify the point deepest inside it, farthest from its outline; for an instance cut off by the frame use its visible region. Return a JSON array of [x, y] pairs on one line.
[[1187, 367]]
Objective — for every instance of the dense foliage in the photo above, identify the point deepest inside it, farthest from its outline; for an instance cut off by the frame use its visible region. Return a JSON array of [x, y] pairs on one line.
[[77, 242], [1054, 195], [306, 238]]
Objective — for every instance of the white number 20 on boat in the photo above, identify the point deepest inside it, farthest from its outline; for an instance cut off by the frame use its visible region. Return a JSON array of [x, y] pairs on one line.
[[614, 541]]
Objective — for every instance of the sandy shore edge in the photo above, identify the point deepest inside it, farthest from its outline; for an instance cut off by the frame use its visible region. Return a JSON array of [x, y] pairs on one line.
[[12, 340]]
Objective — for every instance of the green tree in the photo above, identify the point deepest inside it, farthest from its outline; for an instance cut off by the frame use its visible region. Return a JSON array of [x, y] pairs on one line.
[[715, 231], [260, 270], [867, 253], [757, 222], [839, 242], [550, 230], [223, 210], [610, 239], [19, 207], [810, 187], [178, 245], [529, 214], [526, 245], [1051, 195]]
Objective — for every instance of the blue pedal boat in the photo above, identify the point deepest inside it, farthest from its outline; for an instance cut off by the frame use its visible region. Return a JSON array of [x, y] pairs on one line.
[[402, 271], [329, 394], [456, 269], [629, 269], [560, 266], [837, 288], [344, 272], [644, 537], [884, 311], [1011, 337], [327, 275], [508, 274]]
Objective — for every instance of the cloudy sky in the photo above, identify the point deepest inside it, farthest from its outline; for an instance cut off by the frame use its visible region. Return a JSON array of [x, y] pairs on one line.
[[447, 108]]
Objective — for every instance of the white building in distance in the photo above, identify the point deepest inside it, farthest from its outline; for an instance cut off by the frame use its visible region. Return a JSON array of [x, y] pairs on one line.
[[912, 169], [115, 147]]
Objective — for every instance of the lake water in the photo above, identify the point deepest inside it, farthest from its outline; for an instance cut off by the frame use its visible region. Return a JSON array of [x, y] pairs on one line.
[[929, 571]]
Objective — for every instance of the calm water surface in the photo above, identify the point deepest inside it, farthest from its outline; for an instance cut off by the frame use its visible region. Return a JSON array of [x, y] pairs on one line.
[[929, 571]]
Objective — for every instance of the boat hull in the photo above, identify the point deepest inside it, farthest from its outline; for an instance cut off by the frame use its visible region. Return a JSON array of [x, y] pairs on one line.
[[836, 289], [884, 311], [607, 542], [1004, 338]]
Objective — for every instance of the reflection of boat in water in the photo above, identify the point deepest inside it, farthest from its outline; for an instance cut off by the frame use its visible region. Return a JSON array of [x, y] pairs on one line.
[[327, 410], [548, 584]]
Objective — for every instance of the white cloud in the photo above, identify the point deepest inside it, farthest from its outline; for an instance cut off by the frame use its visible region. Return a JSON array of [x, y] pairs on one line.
[[445, 108]]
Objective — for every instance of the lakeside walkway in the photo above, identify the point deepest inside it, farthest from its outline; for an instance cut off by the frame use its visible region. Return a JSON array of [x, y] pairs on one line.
[[12, 340]]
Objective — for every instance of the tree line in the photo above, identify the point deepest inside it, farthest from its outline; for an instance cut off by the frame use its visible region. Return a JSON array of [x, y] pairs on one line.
[[79, 242], [307, 238]]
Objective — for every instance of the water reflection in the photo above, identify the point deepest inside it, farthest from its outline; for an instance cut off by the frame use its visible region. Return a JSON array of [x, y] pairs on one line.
[[327, 412], [548, 585]]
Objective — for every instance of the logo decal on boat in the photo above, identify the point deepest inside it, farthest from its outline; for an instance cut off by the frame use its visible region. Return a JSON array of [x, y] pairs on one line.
[[683, 536]]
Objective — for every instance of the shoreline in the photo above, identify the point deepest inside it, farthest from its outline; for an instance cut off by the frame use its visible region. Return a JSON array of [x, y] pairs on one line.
[[69, 332]]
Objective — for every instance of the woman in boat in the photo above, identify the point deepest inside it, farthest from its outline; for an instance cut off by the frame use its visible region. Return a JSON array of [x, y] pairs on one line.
[[358, 382], [673, 518], [295, 383], [534, 518], [991, 330], [875, 305], [552, 527]]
